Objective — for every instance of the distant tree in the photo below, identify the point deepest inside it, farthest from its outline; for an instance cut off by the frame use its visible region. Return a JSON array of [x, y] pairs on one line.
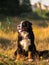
[[9, 6], [40, 7]]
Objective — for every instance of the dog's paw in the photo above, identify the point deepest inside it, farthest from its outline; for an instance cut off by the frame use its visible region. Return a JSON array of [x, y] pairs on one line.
[[30, 60]]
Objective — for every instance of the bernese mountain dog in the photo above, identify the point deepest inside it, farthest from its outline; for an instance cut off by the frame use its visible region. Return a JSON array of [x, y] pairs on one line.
[[26, 46]]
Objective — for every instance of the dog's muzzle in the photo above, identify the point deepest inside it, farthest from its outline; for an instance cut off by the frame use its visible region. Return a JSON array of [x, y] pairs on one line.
[[19, 28]]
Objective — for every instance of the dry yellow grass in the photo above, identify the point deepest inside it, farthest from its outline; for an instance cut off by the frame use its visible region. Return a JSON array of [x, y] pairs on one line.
[[41, 33], [41, 39], [10, 35]]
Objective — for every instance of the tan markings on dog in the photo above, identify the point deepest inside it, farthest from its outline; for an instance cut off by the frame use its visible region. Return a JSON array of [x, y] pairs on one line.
[[24, 34], [29, 55]]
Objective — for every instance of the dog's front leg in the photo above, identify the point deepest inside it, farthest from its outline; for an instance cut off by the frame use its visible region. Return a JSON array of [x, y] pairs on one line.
[[19, 51], [29, 54]]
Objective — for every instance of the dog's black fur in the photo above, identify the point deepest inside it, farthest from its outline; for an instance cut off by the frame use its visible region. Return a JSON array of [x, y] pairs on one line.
[[26, 26]]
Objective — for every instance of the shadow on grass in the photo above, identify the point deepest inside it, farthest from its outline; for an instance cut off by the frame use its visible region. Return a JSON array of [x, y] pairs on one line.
[[42, 23], [5, 43]]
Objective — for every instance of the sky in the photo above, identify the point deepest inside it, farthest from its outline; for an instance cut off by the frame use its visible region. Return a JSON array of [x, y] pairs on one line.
[[45, 2]]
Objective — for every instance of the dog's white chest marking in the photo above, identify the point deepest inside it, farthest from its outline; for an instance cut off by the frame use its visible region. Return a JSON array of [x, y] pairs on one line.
[[25, 41]]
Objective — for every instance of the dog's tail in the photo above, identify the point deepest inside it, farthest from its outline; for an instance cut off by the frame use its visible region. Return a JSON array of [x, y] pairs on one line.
[[44, 54]]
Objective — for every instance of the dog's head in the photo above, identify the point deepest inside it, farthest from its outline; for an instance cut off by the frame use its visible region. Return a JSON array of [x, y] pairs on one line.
[[24, 26]]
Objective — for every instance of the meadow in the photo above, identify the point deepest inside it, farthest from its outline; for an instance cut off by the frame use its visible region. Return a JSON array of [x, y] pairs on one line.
[[8, 40]]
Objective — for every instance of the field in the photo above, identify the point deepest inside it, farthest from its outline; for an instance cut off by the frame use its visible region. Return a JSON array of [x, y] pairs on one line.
[[8, 40]]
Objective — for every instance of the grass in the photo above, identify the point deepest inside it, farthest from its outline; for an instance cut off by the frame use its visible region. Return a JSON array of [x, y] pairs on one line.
[[41, 38], [7, 61], [8, 40], [10, 35]]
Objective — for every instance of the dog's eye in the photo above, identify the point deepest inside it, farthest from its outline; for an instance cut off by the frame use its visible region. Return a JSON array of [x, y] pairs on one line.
[[24, 25]]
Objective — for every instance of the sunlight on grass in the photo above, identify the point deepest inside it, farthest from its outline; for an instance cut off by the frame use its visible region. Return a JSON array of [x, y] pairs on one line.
[[10, 35], [41, 37], [41, 42]]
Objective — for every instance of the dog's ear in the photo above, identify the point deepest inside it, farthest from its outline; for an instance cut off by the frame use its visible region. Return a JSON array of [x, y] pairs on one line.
[[29, 24]]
